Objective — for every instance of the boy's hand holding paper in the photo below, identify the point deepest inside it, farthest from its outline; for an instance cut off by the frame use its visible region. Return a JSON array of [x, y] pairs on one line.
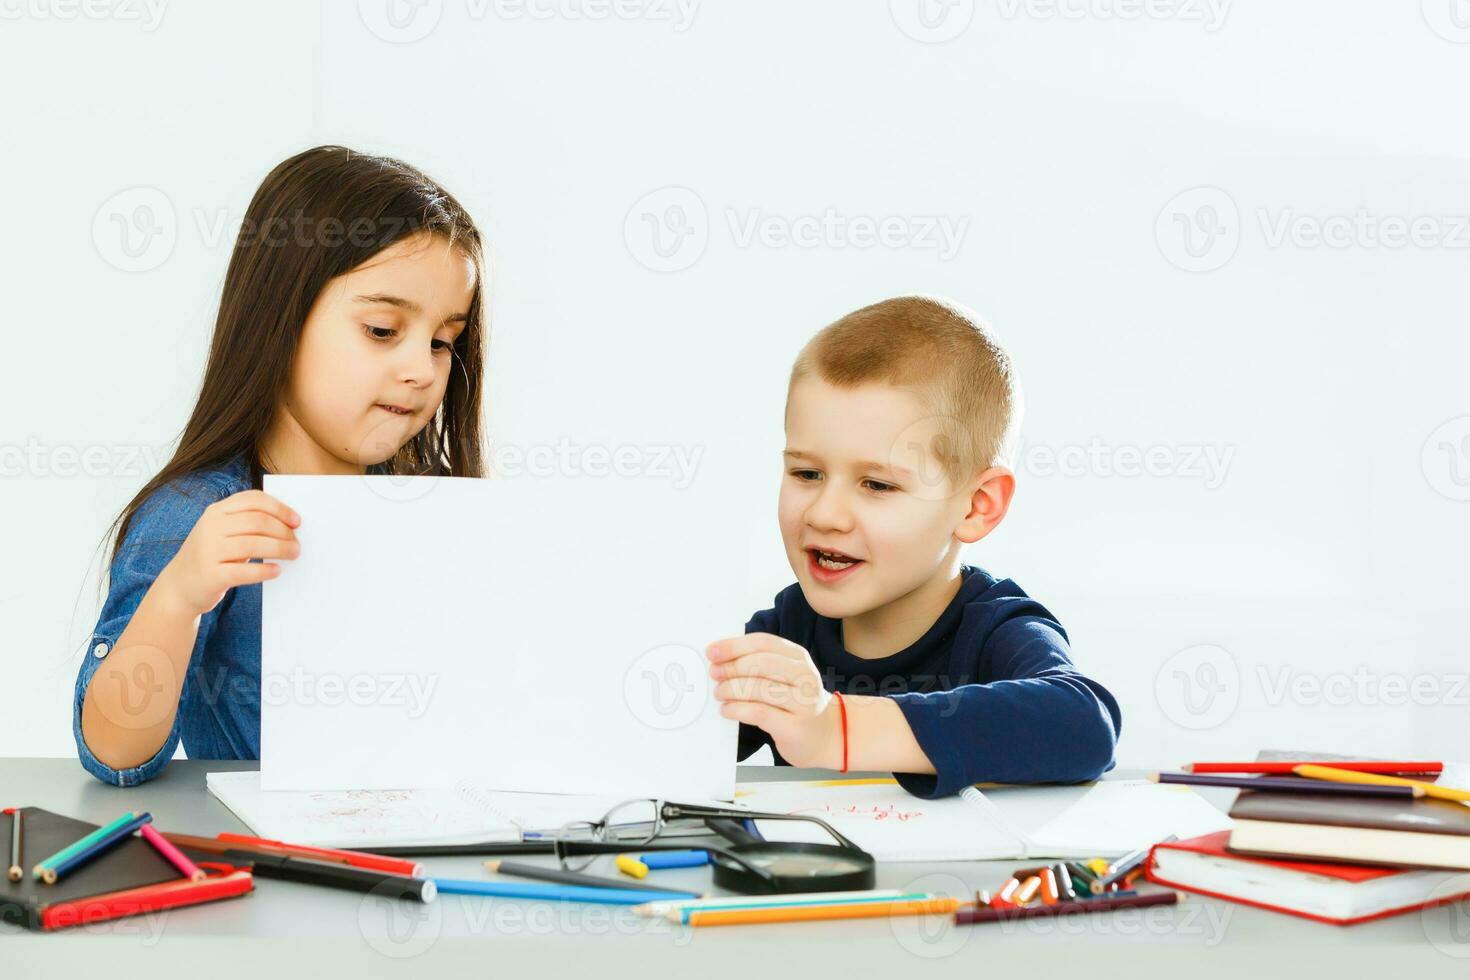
[[769, 682]]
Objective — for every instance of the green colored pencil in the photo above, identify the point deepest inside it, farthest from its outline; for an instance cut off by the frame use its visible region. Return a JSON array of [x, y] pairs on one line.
[[86, 841]]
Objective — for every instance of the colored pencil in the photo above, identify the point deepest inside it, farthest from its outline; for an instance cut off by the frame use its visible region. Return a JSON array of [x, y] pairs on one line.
[[52, 873], [1282, 768], [1028, 890], [77, 845], [1288, 784], [17, 869], [1336, 775], [172, 854], [1066, 891], [1081, 872], [517, 869], [682, 914], [657, 909], [810, 913], [1119, 869], [1049, 893], [969, 916], [552, 892], [1006, 894], [358, 859]]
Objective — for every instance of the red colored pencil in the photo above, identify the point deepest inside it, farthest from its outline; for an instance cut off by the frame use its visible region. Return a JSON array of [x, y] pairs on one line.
[[1287, 767], [357, 859]]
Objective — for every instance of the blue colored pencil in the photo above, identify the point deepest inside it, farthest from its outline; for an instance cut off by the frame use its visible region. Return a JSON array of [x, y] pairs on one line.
[[556, 893], [38, 872], [52, 874]]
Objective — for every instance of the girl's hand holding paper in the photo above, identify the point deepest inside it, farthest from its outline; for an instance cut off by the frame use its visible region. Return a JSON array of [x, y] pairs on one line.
[[770, 682], [215, 557]]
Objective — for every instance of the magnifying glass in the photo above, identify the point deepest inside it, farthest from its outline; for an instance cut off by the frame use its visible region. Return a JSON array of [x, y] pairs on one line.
[[752, 866]]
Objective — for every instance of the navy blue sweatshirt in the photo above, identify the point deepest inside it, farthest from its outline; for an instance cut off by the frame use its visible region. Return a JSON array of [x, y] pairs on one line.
[[990, 690]]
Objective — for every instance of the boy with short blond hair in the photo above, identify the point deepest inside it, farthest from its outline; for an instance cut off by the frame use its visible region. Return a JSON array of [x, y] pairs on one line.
[[889, 653]]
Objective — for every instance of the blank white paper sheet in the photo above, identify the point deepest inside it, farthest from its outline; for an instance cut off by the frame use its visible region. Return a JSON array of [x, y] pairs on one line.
[[530, 635]]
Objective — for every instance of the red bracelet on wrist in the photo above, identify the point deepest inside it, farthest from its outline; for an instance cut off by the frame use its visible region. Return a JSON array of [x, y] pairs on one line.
[[842, 709]]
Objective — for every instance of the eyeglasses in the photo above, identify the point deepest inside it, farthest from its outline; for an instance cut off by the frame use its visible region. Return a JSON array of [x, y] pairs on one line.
[[636, 824], [631, 823]]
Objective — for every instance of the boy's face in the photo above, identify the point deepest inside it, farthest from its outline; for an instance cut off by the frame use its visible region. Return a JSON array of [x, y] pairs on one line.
[[861, 480]]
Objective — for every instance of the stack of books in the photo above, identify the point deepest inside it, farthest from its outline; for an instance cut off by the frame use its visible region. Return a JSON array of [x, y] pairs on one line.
[[1338, 840]]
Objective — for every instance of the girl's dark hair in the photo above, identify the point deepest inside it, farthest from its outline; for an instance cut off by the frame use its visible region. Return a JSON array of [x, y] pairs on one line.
[[317, 216]]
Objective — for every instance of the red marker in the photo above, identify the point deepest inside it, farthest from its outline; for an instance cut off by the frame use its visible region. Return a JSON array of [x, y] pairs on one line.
[[357, 859]]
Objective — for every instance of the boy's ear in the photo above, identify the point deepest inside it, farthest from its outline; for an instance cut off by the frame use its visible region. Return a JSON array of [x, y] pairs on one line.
[[990, 498]]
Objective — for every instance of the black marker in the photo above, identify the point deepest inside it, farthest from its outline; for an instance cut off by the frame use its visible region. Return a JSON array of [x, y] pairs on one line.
[[331, 875]]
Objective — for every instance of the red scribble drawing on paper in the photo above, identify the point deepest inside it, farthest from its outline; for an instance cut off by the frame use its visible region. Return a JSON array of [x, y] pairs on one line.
[[877, 814]]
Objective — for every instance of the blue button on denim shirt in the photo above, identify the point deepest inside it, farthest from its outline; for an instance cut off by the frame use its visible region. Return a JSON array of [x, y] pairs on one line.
[[219, 708]]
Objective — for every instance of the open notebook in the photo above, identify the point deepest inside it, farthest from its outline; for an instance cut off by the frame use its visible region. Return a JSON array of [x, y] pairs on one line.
[[400, 818], [1002, 822], [1111, 817]]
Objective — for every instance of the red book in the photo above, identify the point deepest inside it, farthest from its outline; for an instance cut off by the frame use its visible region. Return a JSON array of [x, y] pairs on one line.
[[1339, 894]]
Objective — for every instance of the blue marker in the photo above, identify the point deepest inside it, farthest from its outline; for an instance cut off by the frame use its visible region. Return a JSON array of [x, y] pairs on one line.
[[655, 860]]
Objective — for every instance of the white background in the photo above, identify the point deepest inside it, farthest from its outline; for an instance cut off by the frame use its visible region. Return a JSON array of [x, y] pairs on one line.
[[1074, 143]]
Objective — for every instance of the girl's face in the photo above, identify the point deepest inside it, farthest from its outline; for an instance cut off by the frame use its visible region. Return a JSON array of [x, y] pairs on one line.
[[373, 361]]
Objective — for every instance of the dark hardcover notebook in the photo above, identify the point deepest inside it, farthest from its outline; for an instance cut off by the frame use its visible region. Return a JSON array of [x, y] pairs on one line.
[[1422, 833], [131, 865]]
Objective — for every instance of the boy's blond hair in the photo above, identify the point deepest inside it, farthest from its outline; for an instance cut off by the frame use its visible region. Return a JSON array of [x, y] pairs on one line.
[[943, 352]]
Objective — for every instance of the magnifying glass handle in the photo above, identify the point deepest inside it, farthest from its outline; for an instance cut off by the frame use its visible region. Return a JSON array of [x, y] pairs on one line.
[[732, 830]]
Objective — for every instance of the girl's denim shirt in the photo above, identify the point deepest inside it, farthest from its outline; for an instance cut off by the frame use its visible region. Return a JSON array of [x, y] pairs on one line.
[[218, 715]]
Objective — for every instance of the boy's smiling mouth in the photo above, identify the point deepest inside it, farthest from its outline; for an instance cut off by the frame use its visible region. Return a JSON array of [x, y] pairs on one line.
[[829, 566]]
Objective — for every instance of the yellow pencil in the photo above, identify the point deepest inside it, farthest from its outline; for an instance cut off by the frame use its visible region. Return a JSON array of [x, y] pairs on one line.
[[1378, 779], [808, 913]]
